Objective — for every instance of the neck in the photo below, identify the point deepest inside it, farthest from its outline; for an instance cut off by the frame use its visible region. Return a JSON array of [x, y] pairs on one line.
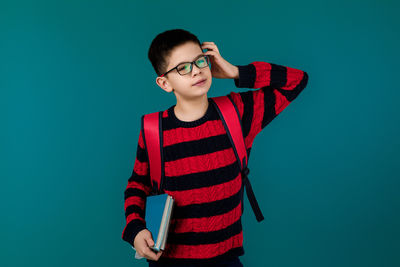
[[191, 110]]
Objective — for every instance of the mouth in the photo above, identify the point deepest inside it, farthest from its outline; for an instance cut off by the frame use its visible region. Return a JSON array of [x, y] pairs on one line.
[[201, 82]]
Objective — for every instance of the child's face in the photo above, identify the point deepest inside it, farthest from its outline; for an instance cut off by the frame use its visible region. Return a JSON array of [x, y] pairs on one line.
[[183, 85]]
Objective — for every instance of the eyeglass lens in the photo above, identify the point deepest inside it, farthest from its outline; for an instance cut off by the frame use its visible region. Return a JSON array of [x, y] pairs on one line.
[[185, 68]]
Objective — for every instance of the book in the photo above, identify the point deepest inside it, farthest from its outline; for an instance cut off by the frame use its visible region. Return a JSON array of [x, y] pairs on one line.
[[158, 213]]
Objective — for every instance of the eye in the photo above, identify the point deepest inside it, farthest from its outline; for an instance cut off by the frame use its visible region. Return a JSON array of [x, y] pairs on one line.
[[201, 61], [183, 67]]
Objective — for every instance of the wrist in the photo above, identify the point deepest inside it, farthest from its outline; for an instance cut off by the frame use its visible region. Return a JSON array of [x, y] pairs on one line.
[[235, 72]]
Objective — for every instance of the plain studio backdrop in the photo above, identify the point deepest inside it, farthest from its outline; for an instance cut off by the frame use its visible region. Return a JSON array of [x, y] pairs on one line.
[[75, 80]]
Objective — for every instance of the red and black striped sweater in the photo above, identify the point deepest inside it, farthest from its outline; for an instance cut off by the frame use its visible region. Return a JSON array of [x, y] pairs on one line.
[[201, 171]]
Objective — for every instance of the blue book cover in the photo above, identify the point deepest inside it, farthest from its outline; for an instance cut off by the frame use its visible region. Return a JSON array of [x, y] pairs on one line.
[[154, 210], [158, 213]]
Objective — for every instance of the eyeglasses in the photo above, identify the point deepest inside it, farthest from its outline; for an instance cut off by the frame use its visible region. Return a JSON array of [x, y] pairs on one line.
[[186, 67]]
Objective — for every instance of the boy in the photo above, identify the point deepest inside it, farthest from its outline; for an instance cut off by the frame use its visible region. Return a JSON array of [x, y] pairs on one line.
[[201, 171]]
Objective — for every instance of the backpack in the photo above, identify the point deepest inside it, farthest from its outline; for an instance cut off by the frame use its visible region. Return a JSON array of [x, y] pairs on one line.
[[229, 114]]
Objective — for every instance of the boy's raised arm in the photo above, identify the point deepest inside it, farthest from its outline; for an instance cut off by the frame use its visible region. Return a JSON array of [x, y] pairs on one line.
[[280, 85], [137, 190]]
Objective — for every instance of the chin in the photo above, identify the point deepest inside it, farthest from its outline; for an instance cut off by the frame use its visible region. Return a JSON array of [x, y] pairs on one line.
[[203, 91]]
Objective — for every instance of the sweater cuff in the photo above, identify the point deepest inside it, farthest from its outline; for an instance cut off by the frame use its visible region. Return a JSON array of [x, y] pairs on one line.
[[247, 76], [132, 229]]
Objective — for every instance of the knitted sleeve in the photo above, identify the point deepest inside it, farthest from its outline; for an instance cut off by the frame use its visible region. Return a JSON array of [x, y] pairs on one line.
[[280, 85], [135, 194]]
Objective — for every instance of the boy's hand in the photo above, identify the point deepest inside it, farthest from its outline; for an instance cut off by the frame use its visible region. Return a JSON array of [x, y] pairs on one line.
[[142, 243], [220, 68]]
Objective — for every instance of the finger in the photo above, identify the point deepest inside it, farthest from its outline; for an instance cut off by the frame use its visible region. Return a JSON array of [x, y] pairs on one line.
[[212, 53], [150, 254], [150, 242], [210, 46], [159, 254], [141, 245]]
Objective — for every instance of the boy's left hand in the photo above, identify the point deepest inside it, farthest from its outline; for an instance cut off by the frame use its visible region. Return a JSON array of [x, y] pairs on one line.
[[220, 68]]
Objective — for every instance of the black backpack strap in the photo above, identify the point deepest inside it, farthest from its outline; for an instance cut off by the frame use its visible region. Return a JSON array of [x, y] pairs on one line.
[[250, 195], [219, 104]]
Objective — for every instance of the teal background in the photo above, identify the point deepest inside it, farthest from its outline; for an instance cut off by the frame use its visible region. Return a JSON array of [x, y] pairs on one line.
[[75, 79]]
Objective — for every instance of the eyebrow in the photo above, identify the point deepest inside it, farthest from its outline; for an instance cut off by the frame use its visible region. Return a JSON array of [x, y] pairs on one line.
[[193, 59]]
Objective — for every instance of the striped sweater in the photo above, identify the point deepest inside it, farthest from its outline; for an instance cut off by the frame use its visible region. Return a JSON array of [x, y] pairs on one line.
[[201, 171]]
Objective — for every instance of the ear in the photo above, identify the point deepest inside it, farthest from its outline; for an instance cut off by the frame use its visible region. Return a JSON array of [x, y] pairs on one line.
[[164, 84]]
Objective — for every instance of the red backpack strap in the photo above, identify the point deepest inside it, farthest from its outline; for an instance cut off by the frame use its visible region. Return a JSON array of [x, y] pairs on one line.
[[230, 117], [151, 128], [231, 121]]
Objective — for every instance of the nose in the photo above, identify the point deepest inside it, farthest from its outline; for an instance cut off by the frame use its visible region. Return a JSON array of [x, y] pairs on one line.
[[195, 69]]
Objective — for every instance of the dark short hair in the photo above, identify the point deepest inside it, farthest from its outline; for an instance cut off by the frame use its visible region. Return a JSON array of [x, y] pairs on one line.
[[163, 44]]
